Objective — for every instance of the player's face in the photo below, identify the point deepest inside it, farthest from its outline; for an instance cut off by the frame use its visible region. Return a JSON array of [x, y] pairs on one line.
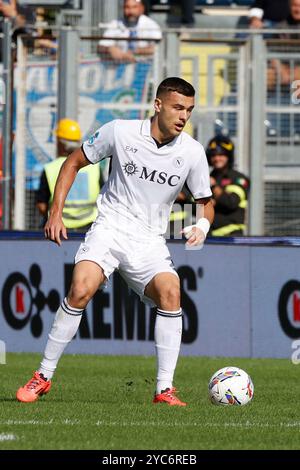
[[132, 10], [219, 161], [173, 111], [295, 9]]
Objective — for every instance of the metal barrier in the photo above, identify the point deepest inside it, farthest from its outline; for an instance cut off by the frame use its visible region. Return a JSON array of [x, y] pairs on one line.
[[217, 69], [238, 78], [2, 104], [6, 120], [102, 90]]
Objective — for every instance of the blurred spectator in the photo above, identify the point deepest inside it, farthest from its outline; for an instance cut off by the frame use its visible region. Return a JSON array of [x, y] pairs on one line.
[[267, 13], [45, 45], [281, 75], [10, 9], [292, 21], [281, 72], [134, 24], [229, 188], [22, 17], [80, 209], [186, 11]]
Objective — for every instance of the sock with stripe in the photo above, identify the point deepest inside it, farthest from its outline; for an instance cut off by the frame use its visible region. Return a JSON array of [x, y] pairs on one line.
[[167, 337], [63, 330]]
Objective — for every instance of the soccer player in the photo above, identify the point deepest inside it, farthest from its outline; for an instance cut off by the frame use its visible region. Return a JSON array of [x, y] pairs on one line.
[[151, 161]]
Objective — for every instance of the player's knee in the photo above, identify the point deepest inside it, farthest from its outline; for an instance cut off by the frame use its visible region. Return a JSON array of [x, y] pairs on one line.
[[170, 297], [80, 294]]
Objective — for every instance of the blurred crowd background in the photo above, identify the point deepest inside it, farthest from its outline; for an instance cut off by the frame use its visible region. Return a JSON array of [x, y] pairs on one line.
[[67, 67]]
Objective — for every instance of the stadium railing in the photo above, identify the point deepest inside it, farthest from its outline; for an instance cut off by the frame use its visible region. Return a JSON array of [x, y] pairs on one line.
[[218, 63]]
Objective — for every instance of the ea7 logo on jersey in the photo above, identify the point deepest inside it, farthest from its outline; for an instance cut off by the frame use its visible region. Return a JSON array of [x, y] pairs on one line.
[[128, 148], [130, 168]]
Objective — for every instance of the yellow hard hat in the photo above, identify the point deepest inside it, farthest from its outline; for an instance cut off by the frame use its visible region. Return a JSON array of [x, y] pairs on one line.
[[68, 130]]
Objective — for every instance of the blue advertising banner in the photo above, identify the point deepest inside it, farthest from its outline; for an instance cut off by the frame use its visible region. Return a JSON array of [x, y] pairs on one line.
[[101, 84], [237, 301]]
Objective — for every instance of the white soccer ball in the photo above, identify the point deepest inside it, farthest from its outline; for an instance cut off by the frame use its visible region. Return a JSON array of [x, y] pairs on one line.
[[230, 386]]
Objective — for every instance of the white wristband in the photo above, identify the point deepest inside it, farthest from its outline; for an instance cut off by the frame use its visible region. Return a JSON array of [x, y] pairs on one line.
[[204, 225]]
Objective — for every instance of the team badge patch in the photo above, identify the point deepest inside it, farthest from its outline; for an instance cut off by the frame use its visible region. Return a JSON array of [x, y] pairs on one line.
[[84, 249], [178, 162], [93, 138]]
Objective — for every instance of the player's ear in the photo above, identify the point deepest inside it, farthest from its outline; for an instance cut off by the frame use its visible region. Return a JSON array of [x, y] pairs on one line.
[[157, 105]]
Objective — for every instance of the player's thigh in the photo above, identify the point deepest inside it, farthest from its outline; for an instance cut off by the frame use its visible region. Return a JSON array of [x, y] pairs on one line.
[[164, 290], [87, 277]]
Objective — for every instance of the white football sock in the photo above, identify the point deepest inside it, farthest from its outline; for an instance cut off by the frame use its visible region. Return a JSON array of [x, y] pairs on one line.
[[167, 336], [63, 330]]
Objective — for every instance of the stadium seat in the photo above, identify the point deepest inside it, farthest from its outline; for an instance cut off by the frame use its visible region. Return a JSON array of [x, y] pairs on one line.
[[244, 3], [220, 3], [224, 3], [160, 2], [206, 3]]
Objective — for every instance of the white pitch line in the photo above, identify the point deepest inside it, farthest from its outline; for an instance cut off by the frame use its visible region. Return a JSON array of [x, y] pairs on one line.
[[246, 425], [31, 422], [7, 437], [77, 422]]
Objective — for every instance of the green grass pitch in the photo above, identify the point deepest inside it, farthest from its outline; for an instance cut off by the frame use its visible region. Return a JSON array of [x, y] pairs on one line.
[[105, 402]]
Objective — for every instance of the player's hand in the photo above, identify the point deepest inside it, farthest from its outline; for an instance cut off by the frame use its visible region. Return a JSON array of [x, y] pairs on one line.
[[195, 236], [55, 228]]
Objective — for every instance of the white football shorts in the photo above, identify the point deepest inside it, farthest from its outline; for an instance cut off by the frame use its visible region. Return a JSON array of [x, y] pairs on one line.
[[138, 261]]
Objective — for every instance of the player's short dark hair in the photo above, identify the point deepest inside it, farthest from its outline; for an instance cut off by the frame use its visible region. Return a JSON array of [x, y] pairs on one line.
[[175, 84]]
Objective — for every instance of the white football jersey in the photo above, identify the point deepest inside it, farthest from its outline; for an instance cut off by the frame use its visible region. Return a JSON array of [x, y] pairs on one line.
[[145, 180]]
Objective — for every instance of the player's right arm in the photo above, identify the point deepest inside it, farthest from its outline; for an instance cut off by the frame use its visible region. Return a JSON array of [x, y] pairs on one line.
[[54, 227]]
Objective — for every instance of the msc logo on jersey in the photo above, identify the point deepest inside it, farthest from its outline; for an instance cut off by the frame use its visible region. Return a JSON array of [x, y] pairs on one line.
[[130, 168]]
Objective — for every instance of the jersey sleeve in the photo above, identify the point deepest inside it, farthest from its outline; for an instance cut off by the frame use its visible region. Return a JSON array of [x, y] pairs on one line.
[[101, 144], [198, 180]]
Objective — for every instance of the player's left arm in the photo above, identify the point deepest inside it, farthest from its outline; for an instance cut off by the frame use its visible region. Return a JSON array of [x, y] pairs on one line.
[[196, 234]]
